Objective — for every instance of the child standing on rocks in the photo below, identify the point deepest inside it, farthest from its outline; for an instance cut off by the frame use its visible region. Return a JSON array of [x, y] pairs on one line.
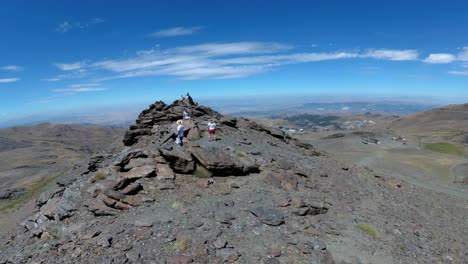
[[211, 130], [180, 132]]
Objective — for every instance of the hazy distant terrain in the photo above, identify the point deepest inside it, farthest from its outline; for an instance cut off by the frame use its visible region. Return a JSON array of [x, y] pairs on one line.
[[253, 106], [30, 154], [268, 107]]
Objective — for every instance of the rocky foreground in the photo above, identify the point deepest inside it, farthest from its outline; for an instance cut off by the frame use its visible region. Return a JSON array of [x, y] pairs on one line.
[[254, 195]]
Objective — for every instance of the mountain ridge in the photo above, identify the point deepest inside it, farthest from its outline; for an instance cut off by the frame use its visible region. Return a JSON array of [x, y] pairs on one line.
[[254, 195]]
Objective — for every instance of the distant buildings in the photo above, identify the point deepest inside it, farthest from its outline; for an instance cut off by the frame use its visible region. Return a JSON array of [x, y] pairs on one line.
[[291, 129], [353, 124]]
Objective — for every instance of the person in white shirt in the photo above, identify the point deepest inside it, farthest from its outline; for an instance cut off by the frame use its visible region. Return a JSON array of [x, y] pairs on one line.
[[186, 115], [211, 130], [180, 132]]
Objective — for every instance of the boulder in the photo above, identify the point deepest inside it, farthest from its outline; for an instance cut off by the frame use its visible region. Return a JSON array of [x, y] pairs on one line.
[[128, 156], [138, 162], [95, 162], [194, 133], [12, 193], [164, 172], [98, 208], [220, 163], [268, 216], [228, 255], [181, 161], [134, 174], [132, 188], [131, 136], [45, 196], [228, 121]]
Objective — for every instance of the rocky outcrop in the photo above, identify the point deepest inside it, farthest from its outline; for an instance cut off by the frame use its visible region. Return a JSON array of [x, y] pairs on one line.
[[161, 114], [158, 202], [11, 194]]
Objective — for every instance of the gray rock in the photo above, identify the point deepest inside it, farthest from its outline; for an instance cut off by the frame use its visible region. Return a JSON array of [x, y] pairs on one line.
[[268, 216], [180, 160], [132, 188], [12, 193], [229, 255]]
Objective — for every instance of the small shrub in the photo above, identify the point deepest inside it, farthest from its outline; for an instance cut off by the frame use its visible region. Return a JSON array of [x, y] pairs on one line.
[[99, 176], [202, 172], [219, 135], [240, 154], [368, 229], [181, 244]]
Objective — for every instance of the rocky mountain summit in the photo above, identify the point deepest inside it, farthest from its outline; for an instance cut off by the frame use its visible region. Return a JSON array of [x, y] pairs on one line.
[[254, 195]]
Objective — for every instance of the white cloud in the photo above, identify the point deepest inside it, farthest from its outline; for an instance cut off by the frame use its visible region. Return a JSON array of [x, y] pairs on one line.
[[394, 55], [440, 58], [66, 26], [464, 73], [69, 66], [80, 88], [289, 58], [80, 85], [9, 80], [3, 114], [175, 31], [215, 61], [234, 48], [463, 56], [71, 74], [13, 68]]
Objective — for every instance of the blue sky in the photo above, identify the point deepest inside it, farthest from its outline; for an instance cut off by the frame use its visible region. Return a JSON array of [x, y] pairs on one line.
[[56, 56]]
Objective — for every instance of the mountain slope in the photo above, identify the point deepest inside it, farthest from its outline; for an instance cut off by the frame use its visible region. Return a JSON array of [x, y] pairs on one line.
[[454, 117], [33, 153], [254, 195]]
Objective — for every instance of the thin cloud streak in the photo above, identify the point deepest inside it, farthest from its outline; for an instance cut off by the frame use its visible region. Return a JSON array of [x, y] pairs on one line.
[[80, 88], [463, 73], [69, 66], [12, 68], [66, 26], [394, 55], [9, 80], [175, 31]]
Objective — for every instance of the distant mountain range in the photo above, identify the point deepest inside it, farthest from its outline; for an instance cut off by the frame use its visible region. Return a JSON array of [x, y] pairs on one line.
[[254, 107], [395, 108]]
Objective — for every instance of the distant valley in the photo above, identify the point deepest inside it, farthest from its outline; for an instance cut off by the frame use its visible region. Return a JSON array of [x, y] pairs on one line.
[[33, 154]]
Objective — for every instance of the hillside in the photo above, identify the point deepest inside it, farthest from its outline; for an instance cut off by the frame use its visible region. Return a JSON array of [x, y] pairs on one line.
[[31, 154], [253, 195], [452, 117]]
